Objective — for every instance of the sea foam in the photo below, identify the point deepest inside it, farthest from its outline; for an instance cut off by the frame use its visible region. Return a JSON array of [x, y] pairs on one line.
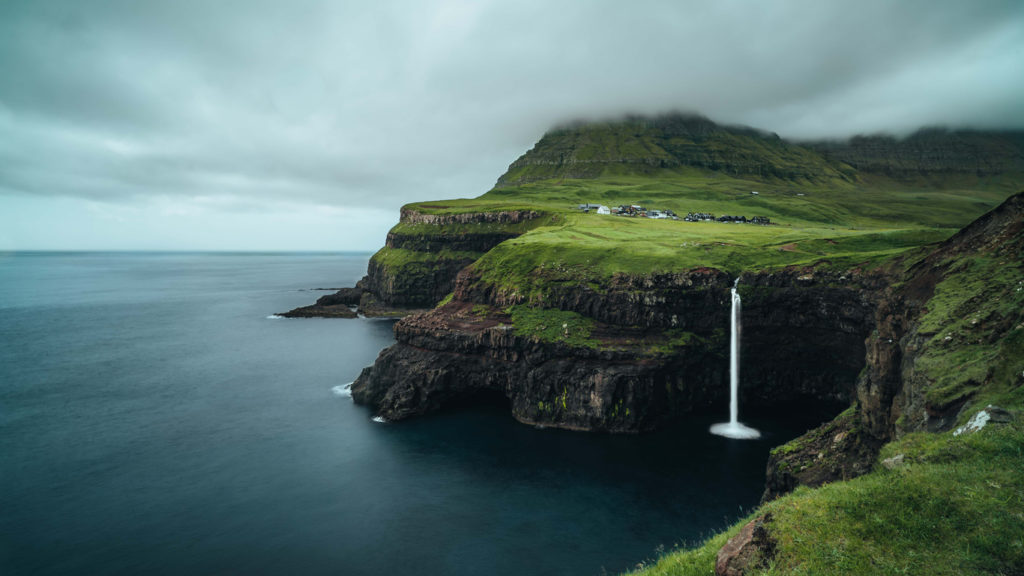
[[343, 390]]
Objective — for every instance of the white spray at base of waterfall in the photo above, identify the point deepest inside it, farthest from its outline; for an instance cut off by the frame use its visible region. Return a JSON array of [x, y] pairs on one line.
[[733, 428]]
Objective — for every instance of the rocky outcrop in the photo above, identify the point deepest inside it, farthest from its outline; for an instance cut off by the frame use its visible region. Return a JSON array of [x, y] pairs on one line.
[[688, 300], [456, 352], [751, 550], [319, 311], [476, 241], [424, 253], [414, 284], [837, 450], [633, 378], [345, 296], [421, 258], [337, 305]]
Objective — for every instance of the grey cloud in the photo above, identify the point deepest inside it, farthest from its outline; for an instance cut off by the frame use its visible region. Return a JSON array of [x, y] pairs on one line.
[[389, 102]]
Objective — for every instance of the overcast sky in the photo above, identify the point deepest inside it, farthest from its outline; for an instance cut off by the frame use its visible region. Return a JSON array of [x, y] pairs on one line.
[[285, 125]]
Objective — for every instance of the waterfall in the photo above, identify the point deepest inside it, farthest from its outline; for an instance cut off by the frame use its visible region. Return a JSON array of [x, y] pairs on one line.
[[733, 428]]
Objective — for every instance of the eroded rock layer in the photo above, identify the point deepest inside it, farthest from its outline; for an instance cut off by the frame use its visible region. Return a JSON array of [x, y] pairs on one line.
[[658, 349]]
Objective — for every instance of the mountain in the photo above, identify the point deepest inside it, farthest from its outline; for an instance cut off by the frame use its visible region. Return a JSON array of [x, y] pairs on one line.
[[642, 145], [936, 151], [649, 145]]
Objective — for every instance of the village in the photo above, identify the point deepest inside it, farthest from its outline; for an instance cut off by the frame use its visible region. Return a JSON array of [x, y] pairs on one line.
[[637, 211]]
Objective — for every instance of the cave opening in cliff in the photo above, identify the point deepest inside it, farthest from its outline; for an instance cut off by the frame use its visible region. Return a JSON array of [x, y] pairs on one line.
[[480, 398]]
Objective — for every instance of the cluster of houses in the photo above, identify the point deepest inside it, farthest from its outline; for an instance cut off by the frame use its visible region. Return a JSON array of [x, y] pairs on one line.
[[642, 212], [763, 220], [630, 210], [706, 217]]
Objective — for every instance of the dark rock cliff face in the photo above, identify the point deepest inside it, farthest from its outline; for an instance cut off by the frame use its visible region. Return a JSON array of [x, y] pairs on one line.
[[934, 151], [481, 241], [421, 283], [412, 285], [446, 354], [411, 216], [690, 300], [803, 334], [419, 262]]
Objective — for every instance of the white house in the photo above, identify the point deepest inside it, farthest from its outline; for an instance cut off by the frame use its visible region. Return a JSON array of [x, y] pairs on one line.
[[603, 210]]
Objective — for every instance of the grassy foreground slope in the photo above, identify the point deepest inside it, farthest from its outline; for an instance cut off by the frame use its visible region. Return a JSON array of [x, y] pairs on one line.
[[957, 507]]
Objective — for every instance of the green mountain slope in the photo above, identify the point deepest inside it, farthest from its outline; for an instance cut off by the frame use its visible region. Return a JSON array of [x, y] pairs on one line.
[[651, 146]]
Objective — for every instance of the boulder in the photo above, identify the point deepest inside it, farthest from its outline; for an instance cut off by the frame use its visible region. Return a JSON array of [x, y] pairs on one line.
[[894, 462], [751, 549], [991, 414]]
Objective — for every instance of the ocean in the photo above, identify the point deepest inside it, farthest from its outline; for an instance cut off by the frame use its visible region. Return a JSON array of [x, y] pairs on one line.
[[155, 418]]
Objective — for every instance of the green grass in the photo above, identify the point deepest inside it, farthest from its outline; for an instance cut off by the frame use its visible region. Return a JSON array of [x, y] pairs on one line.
[[960, 515], [591, 249], [838, 224], [956, 507], [653, 146], [973, 331], [446, 299], [547, 325], [699, 561], [397, 258]]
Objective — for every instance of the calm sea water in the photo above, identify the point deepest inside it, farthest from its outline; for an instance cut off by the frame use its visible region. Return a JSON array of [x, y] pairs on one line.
[[154, 420]]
